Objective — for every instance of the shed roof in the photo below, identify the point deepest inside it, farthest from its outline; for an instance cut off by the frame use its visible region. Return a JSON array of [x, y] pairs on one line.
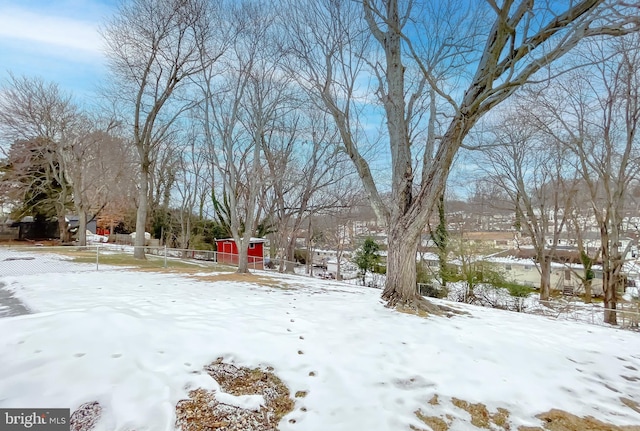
[[251, 240]]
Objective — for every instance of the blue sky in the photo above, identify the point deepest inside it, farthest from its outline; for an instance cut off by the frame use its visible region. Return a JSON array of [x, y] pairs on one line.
[[57, 40]]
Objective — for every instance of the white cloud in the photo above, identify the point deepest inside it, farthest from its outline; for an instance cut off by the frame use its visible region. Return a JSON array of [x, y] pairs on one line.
[[48, 30]]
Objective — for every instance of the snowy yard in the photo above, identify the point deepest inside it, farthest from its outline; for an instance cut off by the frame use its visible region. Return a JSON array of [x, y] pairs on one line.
[[137, 342]]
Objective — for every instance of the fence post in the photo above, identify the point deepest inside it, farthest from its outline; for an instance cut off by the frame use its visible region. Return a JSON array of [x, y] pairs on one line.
[[97, 257], [165, 255]]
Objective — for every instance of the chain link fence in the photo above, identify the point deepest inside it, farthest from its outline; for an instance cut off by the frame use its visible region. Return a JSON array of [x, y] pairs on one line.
[[25, 260], [627, 312]]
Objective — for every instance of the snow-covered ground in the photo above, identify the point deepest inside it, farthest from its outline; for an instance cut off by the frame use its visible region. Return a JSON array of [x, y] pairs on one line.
[[136, 342], [26, 262]]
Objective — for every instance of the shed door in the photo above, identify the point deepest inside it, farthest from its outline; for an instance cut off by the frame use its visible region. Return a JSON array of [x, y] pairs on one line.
[[226, 248]]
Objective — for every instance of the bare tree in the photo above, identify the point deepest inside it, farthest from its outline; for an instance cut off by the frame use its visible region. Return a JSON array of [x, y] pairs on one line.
[[540, 183], [242, 109], [579, 223], [596, 114], [40, 116], [302, 165], [154, 47], [190, 186], [333, 47], [91, 166], [337, 227]]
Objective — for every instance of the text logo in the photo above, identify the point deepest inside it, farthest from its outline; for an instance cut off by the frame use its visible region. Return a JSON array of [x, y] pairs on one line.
[[35, 419]]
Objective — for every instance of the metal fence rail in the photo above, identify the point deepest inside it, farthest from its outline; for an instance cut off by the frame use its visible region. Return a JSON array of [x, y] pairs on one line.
[[627, 313], [19, 260]]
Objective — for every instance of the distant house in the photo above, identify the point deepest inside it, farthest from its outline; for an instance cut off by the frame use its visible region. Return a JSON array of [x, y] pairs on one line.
[[227, 252], [496, 239], [592, 241], [73, 222], [8, 233], [563, 276], [30, 228]]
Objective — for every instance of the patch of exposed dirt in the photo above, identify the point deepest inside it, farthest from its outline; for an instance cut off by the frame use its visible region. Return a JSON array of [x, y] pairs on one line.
[[419, 306], [434, 422], [202, 412], [242, 278], [480, 416], [558, 420], [553, 420]]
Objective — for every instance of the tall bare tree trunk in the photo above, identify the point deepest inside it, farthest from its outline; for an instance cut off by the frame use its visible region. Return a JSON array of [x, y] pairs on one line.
[[400, 285], [588, 291], [243, 258], [141, 214], [545, 278], [82, 228], [609, 284], [62, 226], [289, 264], [609, 280]]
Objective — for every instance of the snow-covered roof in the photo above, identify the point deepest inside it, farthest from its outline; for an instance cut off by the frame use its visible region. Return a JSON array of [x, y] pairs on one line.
[[252, 239]]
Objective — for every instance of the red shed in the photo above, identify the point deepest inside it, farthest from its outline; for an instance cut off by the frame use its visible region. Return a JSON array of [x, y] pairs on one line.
[[227, 252]]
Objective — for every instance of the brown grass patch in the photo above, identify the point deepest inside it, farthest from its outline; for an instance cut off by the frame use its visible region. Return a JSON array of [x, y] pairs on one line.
[[424, 308], [553, 420], [558, 420], [219, 274], [413, 311], [434, 422], [241, 278], [184, 270], [480, 416], [202, 412]]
